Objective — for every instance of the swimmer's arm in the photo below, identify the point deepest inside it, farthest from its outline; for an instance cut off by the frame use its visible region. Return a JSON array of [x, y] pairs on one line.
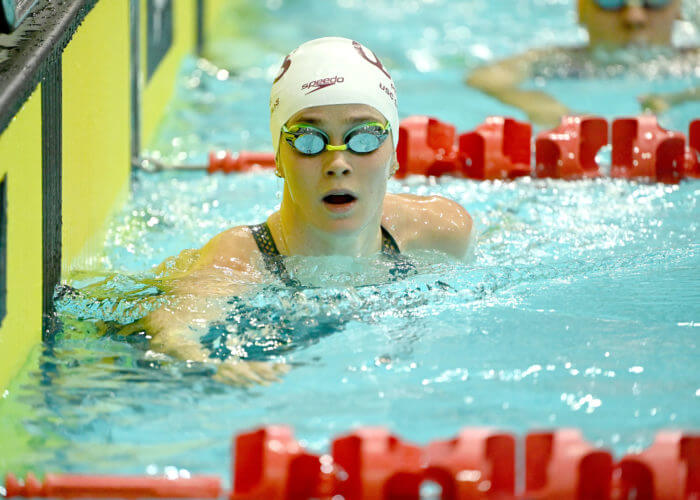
[[176, 328], [504, 74], [502, 80], [195, 280], [193, 302], [199, 285], [662, 102], [172, 334]]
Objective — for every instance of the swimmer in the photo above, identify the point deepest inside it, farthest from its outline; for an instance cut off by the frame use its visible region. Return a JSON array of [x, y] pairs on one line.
[[610, 24], [334, 125]]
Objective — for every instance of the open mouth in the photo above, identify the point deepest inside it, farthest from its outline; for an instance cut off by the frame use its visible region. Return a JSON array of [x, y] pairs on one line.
[[339, 202], [339, 199]]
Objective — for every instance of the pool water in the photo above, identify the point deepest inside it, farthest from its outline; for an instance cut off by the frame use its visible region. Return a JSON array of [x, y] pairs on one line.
[[578, 308]]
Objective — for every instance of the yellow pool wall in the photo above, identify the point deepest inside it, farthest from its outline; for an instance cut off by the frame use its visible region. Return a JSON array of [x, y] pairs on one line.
[[96, 131], [20, 150], [96, 157]]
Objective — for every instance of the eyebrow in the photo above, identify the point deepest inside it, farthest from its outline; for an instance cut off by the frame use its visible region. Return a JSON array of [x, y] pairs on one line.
[[311, 120]]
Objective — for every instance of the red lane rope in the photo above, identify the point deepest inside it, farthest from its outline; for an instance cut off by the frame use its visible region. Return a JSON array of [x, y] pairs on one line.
[[372, 463], [501, 148]]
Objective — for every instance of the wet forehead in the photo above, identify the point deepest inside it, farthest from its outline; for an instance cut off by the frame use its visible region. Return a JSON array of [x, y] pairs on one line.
[[338, 113]]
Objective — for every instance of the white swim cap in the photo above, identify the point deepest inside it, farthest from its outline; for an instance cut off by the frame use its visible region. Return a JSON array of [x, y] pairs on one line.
[[329, 71]]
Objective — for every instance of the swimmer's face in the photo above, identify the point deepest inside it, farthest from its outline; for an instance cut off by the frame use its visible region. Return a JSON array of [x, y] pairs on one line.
[[336, 191], [633, 23]]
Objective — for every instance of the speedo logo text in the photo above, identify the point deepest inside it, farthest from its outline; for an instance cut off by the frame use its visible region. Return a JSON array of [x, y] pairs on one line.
[[322, 83]]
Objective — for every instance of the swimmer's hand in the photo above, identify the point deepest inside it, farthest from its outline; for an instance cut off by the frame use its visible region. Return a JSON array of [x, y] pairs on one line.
[[180, 341], [660, 103], [248, 373], [656, 103]]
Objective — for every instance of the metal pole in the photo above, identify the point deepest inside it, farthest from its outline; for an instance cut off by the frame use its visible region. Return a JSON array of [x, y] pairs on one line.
[[136, 86], [200, 27]]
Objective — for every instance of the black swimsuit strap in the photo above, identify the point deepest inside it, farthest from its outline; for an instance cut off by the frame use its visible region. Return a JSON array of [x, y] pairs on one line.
[[266, 244], [389, 246], [275, 264], [271, 256], [264, 240], [402, 266]]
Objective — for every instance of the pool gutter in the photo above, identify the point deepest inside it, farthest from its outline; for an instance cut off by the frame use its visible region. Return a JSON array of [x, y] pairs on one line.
[[29, 54]]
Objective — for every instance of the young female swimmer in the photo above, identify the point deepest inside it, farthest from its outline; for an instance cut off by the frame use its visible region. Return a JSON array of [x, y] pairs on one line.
[[334, 125]]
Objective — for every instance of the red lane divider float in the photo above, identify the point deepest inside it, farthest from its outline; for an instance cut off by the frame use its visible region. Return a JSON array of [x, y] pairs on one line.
[[669, 468], [569, 151], [427, 147], [692, 164], [376, 464], [269, 463], [81, 486], [478, 464], [562, 465], [227, 162], [497, 149], [641, 148], [500, 148], [371, 463]]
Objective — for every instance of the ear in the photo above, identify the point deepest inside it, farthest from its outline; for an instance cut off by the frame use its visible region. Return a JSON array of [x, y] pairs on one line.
[[582, 11], [279, 172], [394, 165]]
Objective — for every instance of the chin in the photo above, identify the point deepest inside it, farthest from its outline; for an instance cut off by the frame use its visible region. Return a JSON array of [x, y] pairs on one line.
[[341, 224], [640, 40], [649, 37]]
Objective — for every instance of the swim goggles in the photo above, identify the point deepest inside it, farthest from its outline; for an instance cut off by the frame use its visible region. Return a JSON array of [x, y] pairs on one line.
[[362, 139], [620, 4]]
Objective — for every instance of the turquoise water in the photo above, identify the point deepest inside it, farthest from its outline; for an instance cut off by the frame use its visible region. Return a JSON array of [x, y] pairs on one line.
[[579, 307]]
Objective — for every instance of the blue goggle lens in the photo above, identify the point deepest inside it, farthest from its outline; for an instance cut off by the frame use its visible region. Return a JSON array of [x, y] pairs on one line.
[[620, 4], [309, 143], [610, 4], [365, 141], [656, 4]]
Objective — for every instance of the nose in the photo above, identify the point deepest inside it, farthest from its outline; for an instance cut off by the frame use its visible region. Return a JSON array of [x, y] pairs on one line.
[[337, 165], [635, 16]]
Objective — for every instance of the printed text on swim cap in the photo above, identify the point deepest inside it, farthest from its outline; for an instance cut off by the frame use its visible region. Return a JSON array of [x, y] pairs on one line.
[[391, 93], [322, 83]]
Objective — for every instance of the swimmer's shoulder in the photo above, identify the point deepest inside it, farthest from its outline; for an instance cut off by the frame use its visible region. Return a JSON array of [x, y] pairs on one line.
[[222, 267], [428, 223], [234, 249]]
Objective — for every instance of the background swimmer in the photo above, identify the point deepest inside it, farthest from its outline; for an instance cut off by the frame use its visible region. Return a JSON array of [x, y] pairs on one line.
[[611, 25], [334, 126]]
